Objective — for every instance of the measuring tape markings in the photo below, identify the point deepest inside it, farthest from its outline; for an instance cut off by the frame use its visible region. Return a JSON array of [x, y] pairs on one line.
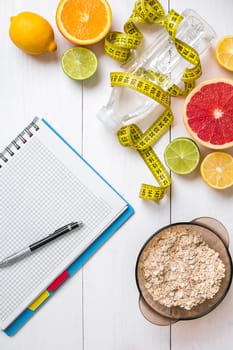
[[142, 85], [152, 84], [155, 131], [162, 80], [118, 45], [152, 12], [148, 11], [131, 136]]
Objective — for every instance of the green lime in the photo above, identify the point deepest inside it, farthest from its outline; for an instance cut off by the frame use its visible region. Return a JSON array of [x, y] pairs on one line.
[[182, 155], [79, 63]]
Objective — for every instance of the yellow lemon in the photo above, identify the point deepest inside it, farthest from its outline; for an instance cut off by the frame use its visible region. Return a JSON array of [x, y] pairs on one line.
[[32, 33]]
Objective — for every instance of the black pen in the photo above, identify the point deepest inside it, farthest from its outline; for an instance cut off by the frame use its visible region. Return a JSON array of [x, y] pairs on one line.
[[34, 246]]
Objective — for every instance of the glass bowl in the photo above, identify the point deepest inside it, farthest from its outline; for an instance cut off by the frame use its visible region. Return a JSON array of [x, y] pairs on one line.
[[216, 236]]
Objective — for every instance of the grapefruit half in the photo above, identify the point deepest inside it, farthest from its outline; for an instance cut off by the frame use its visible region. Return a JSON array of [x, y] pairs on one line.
[[208, 113]]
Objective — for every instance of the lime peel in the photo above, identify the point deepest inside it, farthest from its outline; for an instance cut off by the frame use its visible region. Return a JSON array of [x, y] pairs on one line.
[[79, 63], [182, 155]]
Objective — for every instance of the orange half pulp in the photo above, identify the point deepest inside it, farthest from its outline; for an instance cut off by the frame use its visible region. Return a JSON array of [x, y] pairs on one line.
[[84, 22]]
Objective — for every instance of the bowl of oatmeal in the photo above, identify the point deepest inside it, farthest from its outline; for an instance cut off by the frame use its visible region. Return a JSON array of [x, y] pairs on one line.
[[184, 271]]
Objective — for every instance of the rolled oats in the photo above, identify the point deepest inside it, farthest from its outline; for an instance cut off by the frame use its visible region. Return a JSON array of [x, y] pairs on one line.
[[180, 269]]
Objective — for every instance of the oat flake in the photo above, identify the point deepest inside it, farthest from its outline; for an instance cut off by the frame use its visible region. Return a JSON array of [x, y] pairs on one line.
[[180, 269]]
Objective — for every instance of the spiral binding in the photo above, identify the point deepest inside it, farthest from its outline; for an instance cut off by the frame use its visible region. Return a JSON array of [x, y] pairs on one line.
[[20, 140]]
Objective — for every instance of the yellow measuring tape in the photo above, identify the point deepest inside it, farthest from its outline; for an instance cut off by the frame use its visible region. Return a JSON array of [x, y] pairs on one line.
[[152, 84], [132, 136]]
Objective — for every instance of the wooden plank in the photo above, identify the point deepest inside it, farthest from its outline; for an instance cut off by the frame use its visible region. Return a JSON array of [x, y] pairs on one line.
[[191, 197], [32, 86], [112, 319]]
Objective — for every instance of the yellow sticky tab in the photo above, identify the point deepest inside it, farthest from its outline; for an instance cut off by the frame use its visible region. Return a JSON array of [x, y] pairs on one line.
[[36, 303]]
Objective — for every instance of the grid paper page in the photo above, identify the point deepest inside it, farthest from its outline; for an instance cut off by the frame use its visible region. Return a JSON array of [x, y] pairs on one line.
[[38, 195]]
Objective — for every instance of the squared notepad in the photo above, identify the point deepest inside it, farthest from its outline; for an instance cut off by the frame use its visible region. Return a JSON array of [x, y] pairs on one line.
[[46, 184]]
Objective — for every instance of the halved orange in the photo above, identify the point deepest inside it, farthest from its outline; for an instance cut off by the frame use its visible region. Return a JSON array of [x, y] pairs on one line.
[[224, 52], [217, 170], [84, 22]]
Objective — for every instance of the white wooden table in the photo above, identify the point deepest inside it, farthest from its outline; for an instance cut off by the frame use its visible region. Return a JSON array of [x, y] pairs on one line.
[[98, 307]]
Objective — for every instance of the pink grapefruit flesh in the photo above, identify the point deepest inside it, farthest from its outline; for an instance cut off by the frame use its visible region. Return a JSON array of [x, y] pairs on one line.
[[208, 113]]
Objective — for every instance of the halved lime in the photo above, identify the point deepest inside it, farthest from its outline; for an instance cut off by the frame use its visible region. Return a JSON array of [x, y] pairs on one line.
[[182, 155], [79, 63]]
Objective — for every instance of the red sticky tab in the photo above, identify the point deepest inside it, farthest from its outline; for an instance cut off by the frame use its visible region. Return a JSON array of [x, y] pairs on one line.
[[58, 281]]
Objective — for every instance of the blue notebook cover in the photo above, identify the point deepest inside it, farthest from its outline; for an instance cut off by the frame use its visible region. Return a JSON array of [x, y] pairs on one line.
[[78, 263]]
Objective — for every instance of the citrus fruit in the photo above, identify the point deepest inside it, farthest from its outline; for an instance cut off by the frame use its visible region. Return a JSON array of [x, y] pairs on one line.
[[84, 22], [32, 33], [182, 155], [79, 63], [224, 52], [217, 170], [208, 113]]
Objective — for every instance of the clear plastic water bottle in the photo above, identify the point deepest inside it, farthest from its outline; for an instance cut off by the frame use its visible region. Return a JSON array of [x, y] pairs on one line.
[[126, 105]]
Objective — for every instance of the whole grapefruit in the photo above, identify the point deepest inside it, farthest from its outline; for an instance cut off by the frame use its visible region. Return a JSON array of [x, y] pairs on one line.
[[208, 113]]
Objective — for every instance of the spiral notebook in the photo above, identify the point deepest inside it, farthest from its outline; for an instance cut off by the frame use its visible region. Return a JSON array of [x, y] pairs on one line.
[[45, 184]]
